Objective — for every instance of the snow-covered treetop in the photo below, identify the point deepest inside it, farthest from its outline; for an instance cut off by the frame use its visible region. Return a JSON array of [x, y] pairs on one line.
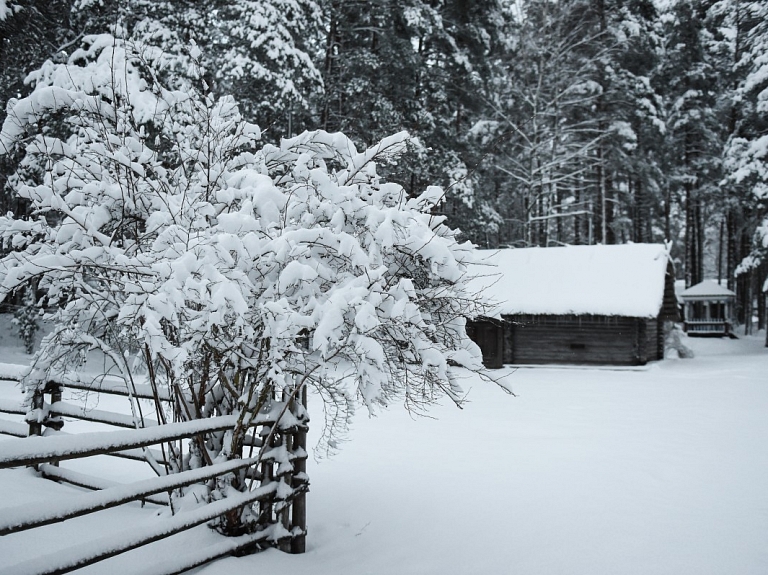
[[6, 9], [259, 52]]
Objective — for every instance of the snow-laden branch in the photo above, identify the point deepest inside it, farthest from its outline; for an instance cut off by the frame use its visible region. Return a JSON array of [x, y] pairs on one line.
[[166, 237]]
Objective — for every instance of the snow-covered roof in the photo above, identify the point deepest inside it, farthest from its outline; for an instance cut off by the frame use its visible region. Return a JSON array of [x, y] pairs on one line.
[[617, 280], [707, 288]]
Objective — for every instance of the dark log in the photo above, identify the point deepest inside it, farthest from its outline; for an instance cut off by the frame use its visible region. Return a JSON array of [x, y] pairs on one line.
[[39, 451], [590, 340], [38, 403], [299, 506]]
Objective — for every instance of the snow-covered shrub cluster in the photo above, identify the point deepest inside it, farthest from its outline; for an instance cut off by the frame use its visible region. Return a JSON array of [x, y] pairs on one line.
[[674, 348], [166, 237]]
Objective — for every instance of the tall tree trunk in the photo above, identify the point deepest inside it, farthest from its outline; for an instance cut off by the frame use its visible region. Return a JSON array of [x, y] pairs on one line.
[[689, 237], [643, 209], [668, 213], [634, 210], [699, 217], [608, 213], [720, 253], [743, 285], [577, 218], [730, 252], [559, 220], [599, 219], [761, 274]]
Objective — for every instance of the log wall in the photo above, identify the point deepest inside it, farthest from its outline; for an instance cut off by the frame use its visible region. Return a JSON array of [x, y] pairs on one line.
[[572, 339], [489, 336], [654, 339]]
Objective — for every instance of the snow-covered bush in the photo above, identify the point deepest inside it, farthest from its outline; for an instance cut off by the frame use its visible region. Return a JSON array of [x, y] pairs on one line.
[[674, 348], [164, 236]]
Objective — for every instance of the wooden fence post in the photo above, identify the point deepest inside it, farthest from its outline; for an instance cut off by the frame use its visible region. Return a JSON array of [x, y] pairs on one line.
[[299, 479], [285, 512], [267, 468], [55, 389], [38, 403], [54, 422]]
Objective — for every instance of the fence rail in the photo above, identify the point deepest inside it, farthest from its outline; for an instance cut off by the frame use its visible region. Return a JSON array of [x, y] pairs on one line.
[[35, 450], [279, 468], [25, 517], [114, 544]]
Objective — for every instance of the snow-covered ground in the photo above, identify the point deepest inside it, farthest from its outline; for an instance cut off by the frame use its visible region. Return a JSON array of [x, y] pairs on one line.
[[588, 471]]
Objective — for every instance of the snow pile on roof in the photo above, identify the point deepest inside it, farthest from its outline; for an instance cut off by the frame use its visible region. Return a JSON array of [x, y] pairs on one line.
[[707, 288], [616, 280]]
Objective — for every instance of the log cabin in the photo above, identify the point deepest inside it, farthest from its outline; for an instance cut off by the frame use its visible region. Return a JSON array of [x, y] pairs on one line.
[[594, 305]]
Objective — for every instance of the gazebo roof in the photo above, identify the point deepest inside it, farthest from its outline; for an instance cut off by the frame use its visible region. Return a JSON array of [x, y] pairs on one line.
[[707, 289]]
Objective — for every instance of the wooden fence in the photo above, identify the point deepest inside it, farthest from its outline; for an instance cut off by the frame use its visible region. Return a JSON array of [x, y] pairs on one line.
[[277, 474]]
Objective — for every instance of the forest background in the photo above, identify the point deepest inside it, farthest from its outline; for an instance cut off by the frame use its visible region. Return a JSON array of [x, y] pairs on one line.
[[547, 122]]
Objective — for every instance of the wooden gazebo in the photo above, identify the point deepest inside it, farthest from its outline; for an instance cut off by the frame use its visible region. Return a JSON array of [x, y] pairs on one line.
[[708, 309]]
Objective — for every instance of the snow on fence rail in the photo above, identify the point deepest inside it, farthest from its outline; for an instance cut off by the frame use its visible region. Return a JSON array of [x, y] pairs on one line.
[[88, 553], [27, 516], [10, 406], [61, 408], [48, 415], [35, 450], [13, 428], [56, 473], [280, 468]]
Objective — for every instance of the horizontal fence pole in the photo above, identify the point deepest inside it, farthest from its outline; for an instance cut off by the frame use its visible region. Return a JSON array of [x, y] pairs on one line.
[[84, 554], [61, 408], [86, 481], [138, 455], [12, 406], [115, 387], [13, 428], [28, 516], [132, 454], [36, 450], [198, 556], [119, 389]]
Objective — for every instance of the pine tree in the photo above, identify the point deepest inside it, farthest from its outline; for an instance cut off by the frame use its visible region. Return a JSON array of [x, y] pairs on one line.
[[257, 51], [541, 125], [694, 138], [416, 65], [627, 176], [746, 160], [31, 32]]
